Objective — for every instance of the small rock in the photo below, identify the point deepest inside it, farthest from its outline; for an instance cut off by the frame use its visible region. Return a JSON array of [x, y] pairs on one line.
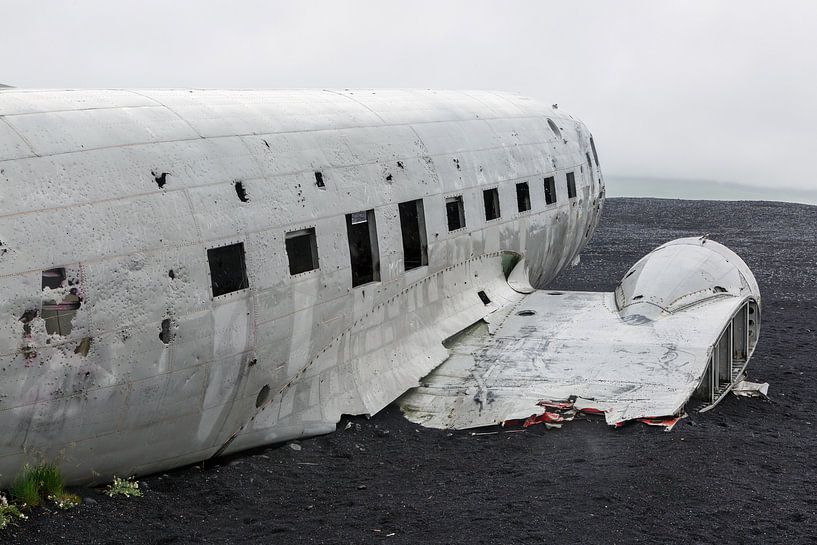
[[361, 487], [382, 433], [89, 501], [295, 446]]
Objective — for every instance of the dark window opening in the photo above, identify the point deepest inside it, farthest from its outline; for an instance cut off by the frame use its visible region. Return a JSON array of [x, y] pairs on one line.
[[241, 192], [455, 212], [593, 148], [589, 163], [413, 228], [523, 196], [228, 271], [302, 250], [571, 185], [483, 297], [550, 190], [361, 229], [491, 199], [319, 180]]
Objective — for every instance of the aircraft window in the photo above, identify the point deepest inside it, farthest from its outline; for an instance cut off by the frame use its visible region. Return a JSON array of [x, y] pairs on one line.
[[491, 199], [550, 190], [302, 250], [58, 315], [361, 229], [571, 185], [455, 212], [523, 196], [228, 271], [241, 192], [554, 128], [413, 228], [593, 147], [319, 180]]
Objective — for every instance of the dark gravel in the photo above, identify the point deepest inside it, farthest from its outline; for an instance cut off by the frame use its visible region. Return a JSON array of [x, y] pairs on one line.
[[746, 472]]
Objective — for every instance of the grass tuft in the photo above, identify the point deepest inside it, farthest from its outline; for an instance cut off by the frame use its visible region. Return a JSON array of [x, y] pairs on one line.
[[37, 483], [25, 490]]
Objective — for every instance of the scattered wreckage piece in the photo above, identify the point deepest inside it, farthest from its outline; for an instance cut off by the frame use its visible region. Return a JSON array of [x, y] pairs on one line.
[[682, 324]]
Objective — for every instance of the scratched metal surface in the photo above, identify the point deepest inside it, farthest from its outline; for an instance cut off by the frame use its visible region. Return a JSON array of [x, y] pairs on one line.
[[78, 189]]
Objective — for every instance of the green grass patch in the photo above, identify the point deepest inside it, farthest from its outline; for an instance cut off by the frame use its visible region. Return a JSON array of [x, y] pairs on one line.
[[36, 484]]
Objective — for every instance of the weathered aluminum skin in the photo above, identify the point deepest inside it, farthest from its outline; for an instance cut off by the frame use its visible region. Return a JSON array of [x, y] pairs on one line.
[[639, 352], [79, 189]]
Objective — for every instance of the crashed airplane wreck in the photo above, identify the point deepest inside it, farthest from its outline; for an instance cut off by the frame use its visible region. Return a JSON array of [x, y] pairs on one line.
[[190, 273]]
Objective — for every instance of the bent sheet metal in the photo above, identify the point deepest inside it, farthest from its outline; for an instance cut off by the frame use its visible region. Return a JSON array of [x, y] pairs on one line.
[[681, 325]]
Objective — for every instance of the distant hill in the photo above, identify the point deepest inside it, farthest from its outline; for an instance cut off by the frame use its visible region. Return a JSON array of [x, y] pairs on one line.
[[668, 188]]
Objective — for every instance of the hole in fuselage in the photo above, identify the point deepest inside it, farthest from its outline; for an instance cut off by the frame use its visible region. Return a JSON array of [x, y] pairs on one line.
[[241, 192], [263, 396], [166, 332], [161, 179], [526, 312]]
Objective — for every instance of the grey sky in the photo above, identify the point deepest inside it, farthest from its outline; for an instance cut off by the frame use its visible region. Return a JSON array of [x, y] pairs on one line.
[[710, 89]]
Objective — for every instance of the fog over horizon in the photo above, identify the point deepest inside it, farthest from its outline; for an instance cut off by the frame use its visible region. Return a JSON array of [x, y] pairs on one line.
[[708, 90]]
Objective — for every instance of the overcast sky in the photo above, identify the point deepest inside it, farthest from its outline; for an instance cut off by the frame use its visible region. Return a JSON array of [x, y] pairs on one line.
[[708, 90]]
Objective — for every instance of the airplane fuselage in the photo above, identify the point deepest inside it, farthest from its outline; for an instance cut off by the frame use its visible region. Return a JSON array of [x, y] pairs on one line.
[[185, 273]]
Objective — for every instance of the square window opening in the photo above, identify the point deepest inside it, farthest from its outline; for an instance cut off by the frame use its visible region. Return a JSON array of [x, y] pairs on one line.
[[571, 185], [228, 271], [413, 229], [364, 254], [455, 212], [523, 196], [491, 199], [550, 190], [302, 250]]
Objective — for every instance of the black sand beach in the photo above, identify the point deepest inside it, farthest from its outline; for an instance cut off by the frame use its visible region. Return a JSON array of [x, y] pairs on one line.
[[745, 472]]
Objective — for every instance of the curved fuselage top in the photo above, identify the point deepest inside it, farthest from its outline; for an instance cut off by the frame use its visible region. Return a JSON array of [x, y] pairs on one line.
[[114, 205]]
